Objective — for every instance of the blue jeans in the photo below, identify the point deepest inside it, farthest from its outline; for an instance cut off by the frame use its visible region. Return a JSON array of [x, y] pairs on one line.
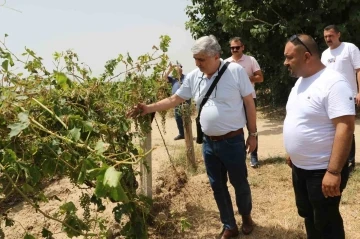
[[179, 121], [223, 158], [322, 215]]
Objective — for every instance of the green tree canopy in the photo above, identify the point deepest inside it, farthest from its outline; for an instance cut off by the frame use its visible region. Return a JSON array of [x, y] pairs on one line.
[[265, 26]]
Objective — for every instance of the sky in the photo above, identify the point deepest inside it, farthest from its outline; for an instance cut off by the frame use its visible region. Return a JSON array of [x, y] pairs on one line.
[[97, 30]]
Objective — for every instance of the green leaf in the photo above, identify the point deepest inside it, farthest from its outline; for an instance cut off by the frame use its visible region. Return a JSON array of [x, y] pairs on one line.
[[88, 126], [68, 208], [112, 177], [27, 188], [112, 182], [18, 127], [28, 236], [74, 134], [46, 233], [6, 35], [129, 59], [9, 156], [101, 147], [5, 65], [62, 80], [75, 223]]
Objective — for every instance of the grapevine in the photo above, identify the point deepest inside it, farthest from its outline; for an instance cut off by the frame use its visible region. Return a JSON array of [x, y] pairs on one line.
[[67, 123]]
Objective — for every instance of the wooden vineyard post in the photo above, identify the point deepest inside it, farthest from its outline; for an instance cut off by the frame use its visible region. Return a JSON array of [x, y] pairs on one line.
[[189, 142], [145, 174]]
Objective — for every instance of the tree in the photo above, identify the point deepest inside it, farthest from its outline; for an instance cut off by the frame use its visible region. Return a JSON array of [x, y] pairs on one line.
[[265, 27]]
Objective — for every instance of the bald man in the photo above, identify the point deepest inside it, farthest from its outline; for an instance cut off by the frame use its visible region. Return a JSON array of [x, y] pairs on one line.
[[318, 129]]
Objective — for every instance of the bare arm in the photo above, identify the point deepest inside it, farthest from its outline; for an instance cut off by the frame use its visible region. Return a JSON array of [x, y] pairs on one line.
[[250, 113], [161, 105], [166, 75], [344, 129], [251, 121], [358, 85], [257, 77]]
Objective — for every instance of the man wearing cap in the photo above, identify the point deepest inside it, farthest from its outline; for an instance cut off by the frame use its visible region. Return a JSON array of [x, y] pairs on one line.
[[253, 70]]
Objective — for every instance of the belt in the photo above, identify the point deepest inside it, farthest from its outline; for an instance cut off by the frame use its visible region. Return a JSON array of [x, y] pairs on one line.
[[226, 136]]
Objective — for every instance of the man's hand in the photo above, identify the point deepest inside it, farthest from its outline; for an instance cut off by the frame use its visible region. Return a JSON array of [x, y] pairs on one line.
[[288, 161], [357, 99], [331, 185], [250, 144], [138, 110]]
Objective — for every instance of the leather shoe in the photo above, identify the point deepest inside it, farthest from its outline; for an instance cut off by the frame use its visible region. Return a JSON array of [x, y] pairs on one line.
[[230, 233], [248, 225]]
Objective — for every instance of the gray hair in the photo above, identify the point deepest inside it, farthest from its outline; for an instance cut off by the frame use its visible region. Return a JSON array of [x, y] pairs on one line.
[[208, 45]]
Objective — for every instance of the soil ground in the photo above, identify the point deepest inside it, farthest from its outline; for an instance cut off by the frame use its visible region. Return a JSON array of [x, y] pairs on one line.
[[186, 208]]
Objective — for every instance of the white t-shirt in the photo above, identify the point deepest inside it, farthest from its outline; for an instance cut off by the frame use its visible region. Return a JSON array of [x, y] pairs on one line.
[[308, 130], [224, 110], [250, 64], [344, 59]]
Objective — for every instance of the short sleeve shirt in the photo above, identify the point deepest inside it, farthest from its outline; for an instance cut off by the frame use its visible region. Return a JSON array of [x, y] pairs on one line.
[[308, 129], [224, 110], [249, 63], [344, 59]]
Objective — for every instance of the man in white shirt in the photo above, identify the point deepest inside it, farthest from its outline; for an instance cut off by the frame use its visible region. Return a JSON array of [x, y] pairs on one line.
[[318, 129], [222, 120], [255, 75], [343, 57]]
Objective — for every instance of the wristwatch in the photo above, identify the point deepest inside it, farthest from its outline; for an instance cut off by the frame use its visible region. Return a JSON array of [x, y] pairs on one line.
[[253, 134]]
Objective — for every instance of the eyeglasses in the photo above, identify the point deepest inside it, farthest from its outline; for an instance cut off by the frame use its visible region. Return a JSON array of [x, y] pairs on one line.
[[235, 47], [295, 37]]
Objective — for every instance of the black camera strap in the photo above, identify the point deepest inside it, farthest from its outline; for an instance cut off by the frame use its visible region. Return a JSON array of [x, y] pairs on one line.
[[208, 93]]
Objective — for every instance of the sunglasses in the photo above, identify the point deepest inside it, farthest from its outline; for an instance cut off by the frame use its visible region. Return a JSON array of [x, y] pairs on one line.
[[235, 47], [295, 37]]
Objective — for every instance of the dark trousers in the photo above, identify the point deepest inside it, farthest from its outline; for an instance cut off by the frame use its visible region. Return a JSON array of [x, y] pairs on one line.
[[178, 116], [322, 215], [179, 120]]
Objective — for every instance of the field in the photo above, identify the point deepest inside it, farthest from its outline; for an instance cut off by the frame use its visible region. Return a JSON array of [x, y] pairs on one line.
[[183, 203]]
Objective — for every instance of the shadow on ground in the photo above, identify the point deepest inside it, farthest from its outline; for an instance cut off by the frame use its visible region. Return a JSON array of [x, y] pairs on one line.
[[272, 128], [273, 160]]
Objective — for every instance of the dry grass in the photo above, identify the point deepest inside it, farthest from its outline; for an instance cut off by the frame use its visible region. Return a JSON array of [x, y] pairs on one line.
[[274, 210]]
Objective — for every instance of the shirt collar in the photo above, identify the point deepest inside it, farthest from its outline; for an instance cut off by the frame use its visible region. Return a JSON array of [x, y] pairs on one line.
[[241, 59]]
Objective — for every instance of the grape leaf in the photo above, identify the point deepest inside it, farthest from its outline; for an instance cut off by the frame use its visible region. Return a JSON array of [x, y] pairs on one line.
[[23, 123]]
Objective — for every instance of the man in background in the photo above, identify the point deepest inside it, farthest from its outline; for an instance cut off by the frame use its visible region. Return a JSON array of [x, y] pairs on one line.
[[176, 82], [343, 57], [253, 70]]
